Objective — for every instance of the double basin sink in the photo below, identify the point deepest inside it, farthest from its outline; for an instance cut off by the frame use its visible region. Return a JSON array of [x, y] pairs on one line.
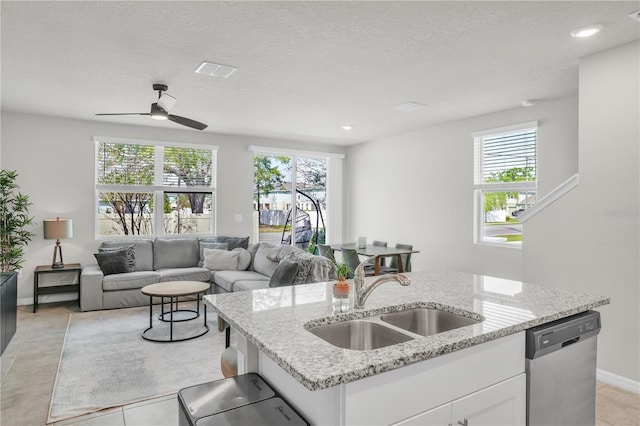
[[390, 328]]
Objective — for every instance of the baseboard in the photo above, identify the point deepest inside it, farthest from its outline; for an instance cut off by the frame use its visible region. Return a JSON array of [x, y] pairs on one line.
[[618, 381], [49, 298]]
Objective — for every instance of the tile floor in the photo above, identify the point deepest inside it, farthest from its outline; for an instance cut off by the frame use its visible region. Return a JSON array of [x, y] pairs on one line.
[[30, 362]]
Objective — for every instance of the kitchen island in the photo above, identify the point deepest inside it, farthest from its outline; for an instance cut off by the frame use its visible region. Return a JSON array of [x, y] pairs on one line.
[[405, 382]]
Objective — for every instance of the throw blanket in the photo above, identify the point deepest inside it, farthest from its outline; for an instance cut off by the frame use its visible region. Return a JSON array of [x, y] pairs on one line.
[[311, 268]]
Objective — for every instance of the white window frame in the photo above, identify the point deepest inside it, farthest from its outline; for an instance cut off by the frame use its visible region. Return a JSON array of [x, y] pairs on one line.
[[334, 185], [158, 189], [480, 187]]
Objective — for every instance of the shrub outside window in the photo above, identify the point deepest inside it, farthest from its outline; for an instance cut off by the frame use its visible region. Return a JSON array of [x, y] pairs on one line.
[[505, 182], [154, 188]]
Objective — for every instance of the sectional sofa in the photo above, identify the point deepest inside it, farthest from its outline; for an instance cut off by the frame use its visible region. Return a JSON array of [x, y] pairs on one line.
[[228, 263]]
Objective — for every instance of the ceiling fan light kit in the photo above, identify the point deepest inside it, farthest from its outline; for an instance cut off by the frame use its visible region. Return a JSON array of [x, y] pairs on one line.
[[160, 110]]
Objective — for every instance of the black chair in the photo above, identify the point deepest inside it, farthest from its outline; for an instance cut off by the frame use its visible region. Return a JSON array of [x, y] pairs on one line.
[[393, 265]]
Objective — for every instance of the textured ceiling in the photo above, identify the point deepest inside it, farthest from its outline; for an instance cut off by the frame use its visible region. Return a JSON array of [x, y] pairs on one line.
[[304, 68]]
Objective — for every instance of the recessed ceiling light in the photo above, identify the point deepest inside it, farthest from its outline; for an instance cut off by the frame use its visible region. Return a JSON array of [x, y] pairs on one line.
[[528, 103], [346, 127], [635, 15], [215, 70], [587, 31], [410, 106]]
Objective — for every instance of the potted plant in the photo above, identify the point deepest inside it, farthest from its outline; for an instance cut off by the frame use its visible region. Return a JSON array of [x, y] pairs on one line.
[[341, 289], [14, 218]]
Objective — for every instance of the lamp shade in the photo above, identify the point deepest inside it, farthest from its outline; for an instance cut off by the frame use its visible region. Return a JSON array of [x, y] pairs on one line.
[[55, 229]]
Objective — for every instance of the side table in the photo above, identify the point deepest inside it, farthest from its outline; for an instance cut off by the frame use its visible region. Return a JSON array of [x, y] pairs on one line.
[[56, 288]]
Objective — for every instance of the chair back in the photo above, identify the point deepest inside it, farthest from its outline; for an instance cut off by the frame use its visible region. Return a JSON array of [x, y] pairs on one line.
[[370, 263], [406, 258], [326, 251], [350, 257]]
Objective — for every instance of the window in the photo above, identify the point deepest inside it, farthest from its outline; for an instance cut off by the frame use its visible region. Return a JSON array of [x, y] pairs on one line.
[[152, 188], [296, 195], [504, 183]]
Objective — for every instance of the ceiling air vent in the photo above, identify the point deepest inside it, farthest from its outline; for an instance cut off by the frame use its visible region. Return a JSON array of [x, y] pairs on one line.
[[409, 106], [635, 15], [215, 70]]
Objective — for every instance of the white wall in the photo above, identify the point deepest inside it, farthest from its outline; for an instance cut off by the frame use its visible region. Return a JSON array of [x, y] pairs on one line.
[[54, 159], [417, 188], [589, 240]]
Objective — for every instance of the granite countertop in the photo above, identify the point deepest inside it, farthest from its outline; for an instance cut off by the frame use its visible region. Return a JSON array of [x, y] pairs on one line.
[[274, 320]]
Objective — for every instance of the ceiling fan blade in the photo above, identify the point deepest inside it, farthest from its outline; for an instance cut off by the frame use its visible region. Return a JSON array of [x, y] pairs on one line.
[[126, 113], [187, 122], [166, 101]]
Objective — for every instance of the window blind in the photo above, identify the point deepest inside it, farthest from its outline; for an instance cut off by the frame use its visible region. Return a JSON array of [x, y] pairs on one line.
[[497, 153]]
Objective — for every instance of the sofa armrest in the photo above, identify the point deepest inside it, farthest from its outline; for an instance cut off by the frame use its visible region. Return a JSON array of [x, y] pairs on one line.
[[91, 288]]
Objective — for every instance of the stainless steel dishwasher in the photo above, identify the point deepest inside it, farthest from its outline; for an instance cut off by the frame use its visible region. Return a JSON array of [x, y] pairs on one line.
[[561, 371]]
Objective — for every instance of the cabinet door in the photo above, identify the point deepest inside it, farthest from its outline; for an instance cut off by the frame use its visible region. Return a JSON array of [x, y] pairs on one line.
[[439, 416], [503, 404]]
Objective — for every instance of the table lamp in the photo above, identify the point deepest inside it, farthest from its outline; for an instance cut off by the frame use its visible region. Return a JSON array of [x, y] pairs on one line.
[[54, 229]]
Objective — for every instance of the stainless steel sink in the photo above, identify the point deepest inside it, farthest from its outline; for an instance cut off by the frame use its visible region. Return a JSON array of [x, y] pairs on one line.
[[427, 321], [359, 335]]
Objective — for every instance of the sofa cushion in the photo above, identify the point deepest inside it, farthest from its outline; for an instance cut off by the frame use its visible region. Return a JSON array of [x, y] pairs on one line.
[[226, 279], [243, 285], [261, 262], [203, 245], [244, 258], [285, 273], [143, 251], [131, 280], [252, 249], [220, 260], [175, 253], [278, 253], [233, 242], [115, 261], [131, 255], [184, 274]]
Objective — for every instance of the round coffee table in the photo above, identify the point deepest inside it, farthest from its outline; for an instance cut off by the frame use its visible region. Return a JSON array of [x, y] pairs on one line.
[[173, 290]]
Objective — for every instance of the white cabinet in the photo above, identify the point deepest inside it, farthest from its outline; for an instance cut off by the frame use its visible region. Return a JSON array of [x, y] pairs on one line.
[[440, 416], [503, 404]]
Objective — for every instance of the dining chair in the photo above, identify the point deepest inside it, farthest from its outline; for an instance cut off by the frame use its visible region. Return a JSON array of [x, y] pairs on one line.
[[369, 267], [326, 251], [350, 257], [393, 265]]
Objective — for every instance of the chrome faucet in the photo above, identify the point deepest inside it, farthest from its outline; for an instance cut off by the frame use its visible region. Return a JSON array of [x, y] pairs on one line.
[[362, 292]]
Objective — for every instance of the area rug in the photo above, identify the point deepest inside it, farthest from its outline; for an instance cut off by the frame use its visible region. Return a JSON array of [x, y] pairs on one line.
[[106, 363]]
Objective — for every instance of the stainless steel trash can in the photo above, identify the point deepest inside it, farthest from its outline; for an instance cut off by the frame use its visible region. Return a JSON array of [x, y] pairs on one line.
[[561, 371], [270, 412], [203, 400]]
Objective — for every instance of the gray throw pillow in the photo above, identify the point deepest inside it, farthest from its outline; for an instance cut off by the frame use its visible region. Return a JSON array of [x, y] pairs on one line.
[[113, 262], [131, 255], [233, 242], [244, 258], [204, 245], [285, 273]]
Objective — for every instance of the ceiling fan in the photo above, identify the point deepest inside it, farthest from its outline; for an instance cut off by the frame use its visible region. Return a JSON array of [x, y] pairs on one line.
[[160, 110]]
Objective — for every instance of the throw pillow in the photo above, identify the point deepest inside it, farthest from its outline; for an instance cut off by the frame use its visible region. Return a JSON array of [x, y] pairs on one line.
[[220, 260], [204, 245], [244, 258], [285, 273], [234, 242], [113, 262], [131, 255]]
